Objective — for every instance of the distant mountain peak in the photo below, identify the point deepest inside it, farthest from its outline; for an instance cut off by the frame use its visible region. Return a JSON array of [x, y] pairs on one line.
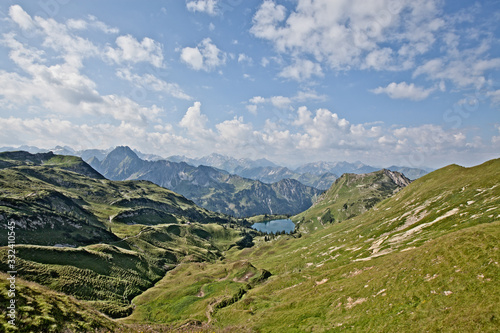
[[123, 151]]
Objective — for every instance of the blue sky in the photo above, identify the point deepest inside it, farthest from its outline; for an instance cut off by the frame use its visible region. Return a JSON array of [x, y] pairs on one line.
[[406, 82]]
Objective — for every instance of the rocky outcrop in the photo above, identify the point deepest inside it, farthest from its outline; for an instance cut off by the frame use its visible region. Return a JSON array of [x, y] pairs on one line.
[[397, 177]]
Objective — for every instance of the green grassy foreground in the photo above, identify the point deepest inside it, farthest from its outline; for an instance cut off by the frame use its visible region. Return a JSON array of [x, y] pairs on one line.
[[424, 259]]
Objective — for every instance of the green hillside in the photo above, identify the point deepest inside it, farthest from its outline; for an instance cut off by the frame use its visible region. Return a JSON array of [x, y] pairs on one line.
[[350, 195], [40, 309], [74, 209], [425, 259], [101, 241]]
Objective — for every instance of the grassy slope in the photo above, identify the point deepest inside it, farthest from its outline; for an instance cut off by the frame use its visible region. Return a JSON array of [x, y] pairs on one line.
[[83, 206], [425, 259], [53, 205], [40, 309], [194, 292], [349, 196]]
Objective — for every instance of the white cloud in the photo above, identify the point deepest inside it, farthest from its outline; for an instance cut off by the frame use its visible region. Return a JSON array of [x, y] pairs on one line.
[[196, 124], [379, 59], [149, 81], [257, 100], [132, 51], [301, 69], [283, 102], [53, 82], [351, 33], [76, 24], [309, 95], [194, 119], [266, 18], [94, 22], [205, 56], [80, 24], [48, 133], [403, 90], [280, 102], [235, 131], [22, 18], [494, 95], [193, 57], [204, 6], [252, 108], [244, 58]]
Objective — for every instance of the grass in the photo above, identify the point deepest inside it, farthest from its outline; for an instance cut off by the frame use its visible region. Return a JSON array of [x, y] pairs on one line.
[[103, 274], [349, 196], [194, 292], [40, 309], [406, 291], [425, 259], [415, 262]]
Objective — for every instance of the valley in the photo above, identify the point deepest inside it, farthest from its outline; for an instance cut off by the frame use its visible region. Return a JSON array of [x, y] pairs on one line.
[[375, 252]]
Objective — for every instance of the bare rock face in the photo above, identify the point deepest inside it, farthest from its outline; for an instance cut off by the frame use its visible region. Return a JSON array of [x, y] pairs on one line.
[[398, 178]]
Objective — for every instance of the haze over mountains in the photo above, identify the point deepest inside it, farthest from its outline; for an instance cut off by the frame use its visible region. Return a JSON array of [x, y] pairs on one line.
[[211, 188], [319, 174]]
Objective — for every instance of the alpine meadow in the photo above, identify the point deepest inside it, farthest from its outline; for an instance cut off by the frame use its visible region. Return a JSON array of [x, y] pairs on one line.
[[249, 166]]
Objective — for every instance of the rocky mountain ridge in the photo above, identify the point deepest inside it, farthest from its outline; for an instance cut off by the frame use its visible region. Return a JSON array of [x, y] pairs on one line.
[[211, 188], [351, 195]]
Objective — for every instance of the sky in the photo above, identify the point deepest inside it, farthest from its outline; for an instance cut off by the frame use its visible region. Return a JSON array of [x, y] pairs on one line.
[[386, 82]]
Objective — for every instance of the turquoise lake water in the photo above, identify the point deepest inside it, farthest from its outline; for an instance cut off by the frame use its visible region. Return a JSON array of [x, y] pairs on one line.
[[275, 226]]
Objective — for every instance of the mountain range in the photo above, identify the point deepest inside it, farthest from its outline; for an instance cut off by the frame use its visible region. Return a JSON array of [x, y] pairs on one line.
[[318, 174], [211, 188], [60, 199]]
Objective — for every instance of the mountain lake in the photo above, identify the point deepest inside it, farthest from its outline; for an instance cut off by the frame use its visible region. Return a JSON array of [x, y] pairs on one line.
[[275, 226]]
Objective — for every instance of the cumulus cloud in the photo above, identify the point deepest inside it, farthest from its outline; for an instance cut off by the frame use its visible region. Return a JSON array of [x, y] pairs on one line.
[[22, 18], [195, 123], [351, 33], [379, 35], [403, 90], [132, 51], [301, 69], [205, 56], [280, 102], [204, 6], [56, 85], [283, 102]]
